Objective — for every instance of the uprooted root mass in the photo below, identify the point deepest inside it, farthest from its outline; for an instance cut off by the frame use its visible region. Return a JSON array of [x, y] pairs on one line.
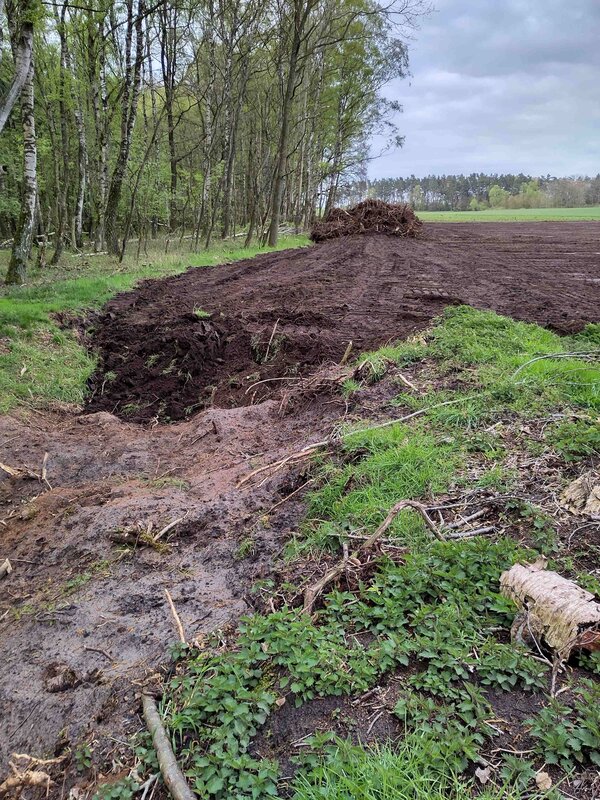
[[370, 216]]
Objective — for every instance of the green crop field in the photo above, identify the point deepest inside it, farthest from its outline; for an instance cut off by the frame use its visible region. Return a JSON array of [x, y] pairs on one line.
[[588, 214]]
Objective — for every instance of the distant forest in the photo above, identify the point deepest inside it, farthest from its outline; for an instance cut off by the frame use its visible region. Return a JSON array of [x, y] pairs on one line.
[[476, 192]]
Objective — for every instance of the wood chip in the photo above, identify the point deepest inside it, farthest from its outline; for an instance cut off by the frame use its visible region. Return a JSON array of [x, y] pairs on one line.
[[5, 568], [582, 496]]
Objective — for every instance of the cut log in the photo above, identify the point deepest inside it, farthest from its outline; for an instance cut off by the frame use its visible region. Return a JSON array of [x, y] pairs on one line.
[[555, 608]]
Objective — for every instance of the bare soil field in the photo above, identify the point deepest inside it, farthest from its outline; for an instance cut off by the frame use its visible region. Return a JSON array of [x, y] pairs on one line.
[[83, 622], [160, 360]]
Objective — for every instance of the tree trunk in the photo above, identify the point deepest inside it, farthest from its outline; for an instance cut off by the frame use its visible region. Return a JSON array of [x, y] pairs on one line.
[[278, 180], [63, 185], [302, 9], [23, 51], [168, 53], [17, 268], [82, 168], [131, 91]]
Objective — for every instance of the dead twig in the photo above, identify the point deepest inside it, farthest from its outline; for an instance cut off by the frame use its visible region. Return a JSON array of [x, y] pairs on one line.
[[176, 617], [269, 380], [167, 528], [44, 472], [172, 775], [289, 496], [464, 520], [271, 340], [98, 650], [374, 720], [406, 382], [473, 532], [347, 352]]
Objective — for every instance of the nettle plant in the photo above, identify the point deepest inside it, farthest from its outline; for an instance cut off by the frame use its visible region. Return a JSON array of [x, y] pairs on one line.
[[567, 736]]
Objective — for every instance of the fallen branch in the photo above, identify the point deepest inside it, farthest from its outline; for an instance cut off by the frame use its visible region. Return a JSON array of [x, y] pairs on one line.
[[172, 775], [313, 591]]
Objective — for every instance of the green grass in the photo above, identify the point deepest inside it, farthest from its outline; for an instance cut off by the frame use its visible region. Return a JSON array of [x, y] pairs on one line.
[[489, 360], [586, 214], [413, 770], [39, 362]]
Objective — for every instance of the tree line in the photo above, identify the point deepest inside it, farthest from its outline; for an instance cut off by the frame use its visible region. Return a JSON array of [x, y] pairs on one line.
[[192, 118], [477, 191]]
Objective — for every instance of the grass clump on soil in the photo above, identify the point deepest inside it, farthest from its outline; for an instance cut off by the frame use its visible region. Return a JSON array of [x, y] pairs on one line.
[[40, 362], [425, 625], [415, 768], [495, 370]]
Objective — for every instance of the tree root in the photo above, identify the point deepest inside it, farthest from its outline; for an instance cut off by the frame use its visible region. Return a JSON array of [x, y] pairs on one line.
[[313, 591]]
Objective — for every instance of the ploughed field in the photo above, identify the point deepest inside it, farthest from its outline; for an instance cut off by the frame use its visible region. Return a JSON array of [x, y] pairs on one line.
[[233, 335]]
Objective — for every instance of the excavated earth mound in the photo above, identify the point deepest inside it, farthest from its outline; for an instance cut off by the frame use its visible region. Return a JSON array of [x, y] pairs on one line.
[[370, 216], [280, 315]]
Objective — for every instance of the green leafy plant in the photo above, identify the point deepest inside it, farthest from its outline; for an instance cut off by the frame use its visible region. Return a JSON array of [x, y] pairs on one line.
[[576, 439], [517, 771], [83, 757], [566, 735]]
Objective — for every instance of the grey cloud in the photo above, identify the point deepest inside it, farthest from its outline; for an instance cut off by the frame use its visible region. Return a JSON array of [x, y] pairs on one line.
[[512, 86]]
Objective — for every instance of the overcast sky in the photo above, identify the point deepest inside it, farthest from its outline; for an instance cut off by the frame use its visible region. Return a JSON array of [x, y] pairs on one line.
[[500, 86]]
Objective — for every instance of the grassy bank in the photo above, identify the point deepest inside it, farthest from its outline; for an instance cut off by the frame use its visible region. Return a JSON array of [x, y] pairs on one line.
[[418, 632], [39, 361], [587, 214]]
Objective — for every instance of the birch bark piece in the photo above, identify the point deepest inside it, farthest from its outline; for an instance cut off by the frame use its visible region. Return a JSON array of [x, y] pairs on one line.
[[558, 610], [582, 496]]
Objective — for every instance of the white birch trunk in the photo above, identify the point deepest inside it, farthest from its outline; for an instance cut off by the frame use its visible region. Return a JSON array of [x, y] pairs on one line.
[[17, 268]]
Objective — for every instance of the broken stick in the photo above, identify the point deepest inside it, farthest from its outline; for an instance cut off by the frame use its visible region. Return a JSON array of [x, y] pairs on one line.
[[172, 775], [176, 616]]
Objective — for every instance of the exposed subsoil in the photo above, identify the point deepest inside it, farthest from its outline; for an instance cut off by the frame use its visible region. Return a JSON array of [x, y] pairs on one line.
[[160, 361], [83, 623]]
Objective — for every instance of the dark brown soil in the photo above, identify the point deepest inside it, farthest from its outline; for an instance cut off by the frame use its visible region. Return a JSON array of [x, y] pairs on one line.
[[81, 622], [159, 360]]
